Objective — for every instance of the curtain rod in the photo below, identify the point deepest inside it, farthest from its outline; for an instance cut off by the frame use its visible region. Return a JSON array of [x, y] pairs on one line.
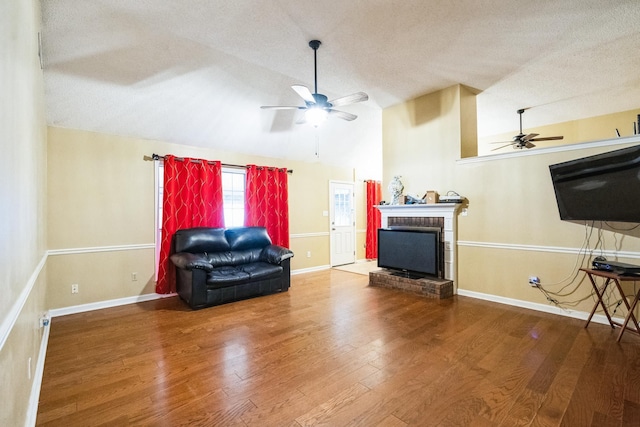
[[155, 156]]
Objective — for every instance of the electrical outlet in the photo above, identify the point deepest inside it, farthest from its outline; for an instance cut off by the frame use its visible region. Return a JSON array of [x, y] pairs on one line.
[[308, 254], [534, 281], [134, 277], [44, 321], [74, 288]]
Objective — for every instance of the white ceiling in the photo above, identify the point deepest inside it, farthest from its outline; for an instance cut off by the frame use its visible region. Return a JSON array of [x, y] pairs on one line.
[[196, 72]]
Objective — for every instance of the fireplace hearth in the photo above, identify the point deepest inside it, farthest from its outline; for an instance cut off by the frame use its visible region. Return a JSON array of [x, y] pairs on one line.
[[430, 287]]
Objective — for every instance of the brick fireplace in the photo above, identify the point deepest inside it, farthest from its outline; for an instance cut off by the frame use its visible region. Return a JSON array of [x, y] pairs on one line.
[[439, 215]]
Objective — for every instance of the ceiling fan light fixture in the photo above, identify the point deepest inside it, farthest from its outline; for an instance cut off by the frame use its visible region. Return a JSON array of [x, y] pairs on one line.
[[524, 141], [315, 116], [317, 107]]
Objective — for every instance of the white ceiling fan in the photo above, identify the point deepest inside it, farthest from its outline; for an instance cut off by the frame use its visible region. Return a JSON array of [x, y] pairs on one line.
[[317, 107]]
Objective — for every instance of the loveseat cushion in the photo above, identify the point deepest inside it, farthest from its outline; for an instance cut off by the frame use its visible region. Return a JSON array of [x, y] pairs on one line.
[[200, 239], [247, 238], [226, 276], [233, 258], [261, 270], [229, 275]]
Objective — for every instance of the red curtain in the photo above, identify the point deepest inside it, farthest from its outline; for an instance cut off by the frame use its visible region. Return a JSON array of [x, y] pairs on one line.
[[192, 198], [374, 195], [267, 202]]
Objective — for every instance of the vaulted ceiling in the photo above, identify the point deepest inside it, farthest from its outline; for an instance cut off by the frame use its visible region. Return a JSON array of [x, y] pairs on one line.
[[197, 72]]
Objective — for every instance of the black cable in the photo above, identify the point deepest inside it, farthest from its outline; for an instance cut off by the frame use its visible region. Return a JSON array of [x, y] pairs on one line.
[[582, 252], [621, 229]]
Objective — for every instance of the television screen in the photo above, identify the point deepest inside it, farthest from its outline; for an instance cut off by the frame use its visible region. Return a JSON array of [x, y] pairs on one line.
[[412, 250], [604, 187]]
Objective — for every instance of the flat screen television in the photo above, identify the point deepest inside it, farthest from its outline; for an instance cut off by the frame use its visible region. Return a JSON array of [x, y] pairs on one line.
[[604, 187], [411, 251]]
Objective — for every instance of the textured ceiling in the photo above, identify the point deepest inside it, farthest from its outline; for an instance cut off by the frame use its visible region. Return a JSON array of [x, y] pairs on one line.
[[196, 72]]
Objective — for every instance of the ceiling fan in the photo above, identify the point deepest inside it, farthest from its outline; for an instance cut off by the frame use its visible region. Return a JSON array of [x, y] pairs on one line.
[[317, 107], [524, 141]]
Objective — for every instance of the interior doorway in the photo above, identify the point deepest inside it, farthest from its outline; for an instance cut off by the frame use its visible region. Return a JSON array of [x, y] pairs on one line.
[[342, 220]]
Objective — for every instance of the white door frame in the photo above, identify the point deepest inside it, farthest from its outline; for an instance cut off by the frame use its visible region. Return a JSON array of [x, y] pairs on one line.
[[333, 257]]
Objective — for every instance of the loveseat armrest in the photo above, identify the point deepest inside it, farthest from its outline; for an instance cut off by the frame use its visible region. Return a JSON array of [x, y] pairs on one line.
[[189, 261], [275, 254]]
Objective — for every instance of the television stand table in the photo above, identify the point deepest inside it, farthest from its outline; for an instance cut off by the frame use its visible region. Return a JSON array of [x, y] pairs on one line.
[[616, 279]]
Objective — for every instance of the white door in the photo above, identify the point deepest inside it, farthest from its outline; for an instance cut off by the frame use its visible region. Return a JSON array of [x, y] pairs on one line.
[[342, 218]]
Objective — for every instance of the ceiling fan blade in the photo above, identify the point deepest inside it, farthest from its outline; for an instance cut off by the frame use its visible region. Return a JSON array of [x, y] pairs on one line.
[[502, 146], [548, 138], [502, 142], [528, 144], [304, 93], [528, 137], [282, 107], [343, 115], [349, 99]]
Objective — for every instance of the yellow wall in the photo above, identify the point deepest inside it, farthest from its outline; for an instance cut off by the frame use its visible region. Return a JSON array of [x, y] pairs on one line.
[[421, 142], [101, 200], [575, 131], [513, 228], [512, 203], [22, 207]]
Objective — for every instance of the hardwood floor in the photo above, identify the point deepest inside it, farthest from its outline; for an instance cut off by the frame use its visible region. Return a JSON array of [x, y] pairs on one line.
[[333, 351]]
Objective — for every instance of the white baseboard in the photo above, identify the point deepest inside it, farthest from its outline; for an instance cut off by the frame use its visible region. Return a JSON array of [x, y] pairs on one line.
[[310, 269], [323, 267], [34, 398], [56, 312], [597, 318]]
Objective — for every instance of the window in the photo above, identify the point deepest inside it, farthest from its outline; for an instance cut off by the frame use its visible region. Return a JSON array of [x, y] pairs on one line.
[[343, 210], [233, 182]]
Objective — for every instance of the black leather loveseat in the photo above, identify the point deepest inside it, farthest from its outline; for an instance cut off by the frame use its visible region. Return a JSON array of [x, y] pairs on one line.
[[217, 265]]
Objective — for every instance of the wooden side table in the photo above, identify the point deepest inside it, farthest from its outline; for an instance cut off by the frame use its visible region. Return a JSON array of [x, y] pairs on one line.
[[616, 279]]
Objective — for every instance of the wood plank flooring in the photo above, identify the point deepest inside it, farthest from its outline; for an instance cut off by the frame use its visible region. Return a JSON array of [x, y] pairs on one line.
[[333, 351]]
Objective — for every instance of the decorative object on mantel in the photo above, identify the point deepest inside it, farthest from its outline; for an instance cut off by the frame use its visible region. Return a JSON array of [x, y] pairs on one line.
[[396, 188], [410, 200], [451, 197], [431, 197]]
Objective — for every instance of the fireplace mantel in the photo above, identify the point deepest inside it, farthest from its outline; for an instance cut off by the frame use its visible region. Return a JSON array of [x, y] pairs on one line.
[[448, 211]]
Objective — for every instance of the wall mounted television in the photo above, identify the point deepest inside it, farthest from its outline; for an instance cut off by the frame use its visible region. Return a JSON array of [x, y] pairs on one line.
[[411, 251], [604, 187]]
